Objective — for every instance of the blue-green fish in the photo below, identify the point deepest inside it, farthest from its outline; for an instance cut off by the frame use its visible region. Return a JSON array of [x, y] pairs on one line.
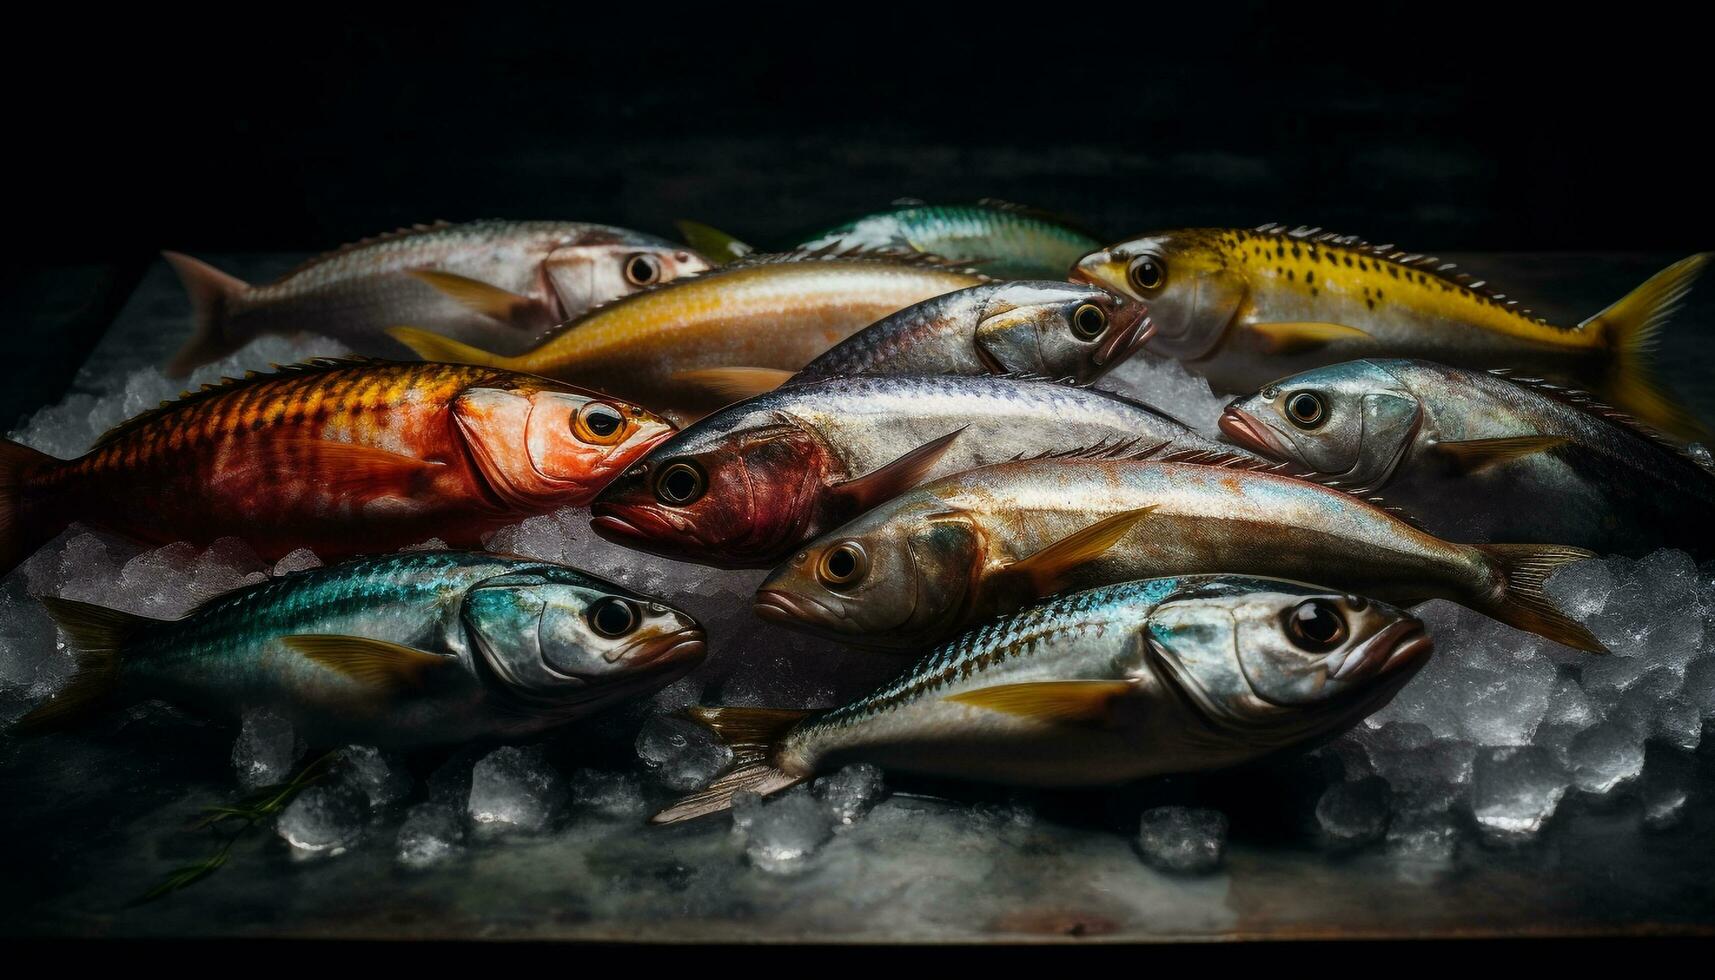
[[408, 649], [1098, 687]]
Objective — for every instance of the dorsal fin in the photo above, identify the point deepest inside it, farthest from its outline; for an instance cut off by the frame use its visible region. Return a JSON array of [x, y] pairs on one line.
[[834, 252], [1116, 449], [1039, 214], [395, 235], [1589, 404], [1252, 464]]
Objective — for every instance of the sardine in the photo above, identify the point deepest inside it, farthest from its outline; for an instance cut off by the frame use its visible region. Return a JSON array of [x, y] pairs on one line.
[[410, 649], [974, 545], [499, 283], [772, 312], [747, 485], [1101, 687], [1484, 457], [1246, 307], [341, 456]]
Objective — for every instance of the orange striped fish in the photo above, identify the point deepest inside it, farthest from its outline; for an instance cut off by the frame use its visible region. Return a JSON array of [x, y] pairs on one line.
[[340, 456]]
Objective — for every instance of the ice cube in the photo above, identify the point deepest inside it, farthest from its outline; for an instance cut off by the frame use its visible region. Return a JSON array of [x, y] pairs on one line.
[[266, 749], [682, 754], [1582, 588], [1699, 452], [1678, 723], [780, 834], [614, 795], [851, 792], [1507, 707], [301, 560], [324, 819], [1515, 790], [380, 776], [1185, 840], [515, 789], [432, 544], [1423, 844], [1569, 706], [1354, 812], [1604, 756], [431, 833], [1666, 786], [1699, 685], [1165, 384]]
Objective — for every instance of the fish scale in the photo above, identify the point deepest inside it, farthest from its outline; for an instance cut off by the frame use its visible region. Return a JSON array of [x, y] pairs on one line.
[[1009, 241]]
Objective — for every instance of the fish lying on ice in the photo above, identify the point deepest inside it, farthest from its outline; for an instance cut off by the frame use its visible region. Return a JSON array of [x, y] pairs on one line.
[[410, 649], [1104, 686]]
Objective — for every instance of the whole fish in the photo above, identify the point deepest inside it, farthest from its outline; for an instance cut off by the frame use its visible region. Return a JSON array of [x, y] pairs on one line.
[[777, 312], [501, 283], [410, 649], [978, 544], [1483, 457], [1105, 686], [1008, 241], [341, 456], [747, 485], [1246, 307], [1060, 330]]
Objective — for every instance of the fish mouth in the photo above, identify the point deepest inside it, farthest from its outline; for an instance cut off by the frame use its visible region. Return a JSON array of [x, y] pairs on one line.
[[777, 606], [1398, 644], [1125, 343], [1241, 428], [678, 648]]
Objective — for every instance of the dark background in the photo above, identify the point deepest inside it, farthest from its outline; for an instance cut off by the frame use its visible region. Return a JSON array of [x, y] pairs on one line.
[[297, 127]]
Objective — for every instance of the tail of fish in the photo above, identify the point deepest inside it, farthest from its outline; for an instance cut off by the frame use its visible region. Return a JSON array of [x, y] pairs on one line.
[[755, 735], [18, 538], [1524, 570], [434, 347], [212, 293], [98, 637], [715, 245], [1631, 329]]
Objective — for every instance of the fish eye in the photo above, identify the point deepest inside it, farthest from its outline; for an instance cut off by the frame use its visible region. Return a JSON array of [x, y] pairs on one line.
[[842, 565], [613, 617], [642, 269], [1089, 321], [1315, 625], [1147, 272], [1306, 409], [598, 423], [679, 484]]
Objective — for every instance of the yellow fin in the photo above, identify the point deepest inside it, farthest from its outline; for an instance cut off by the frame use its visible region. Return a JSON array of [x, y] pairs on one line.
[[434, 347], [374, 663], [1471, 455], [713, 244], [1046, 569], [477, 296], [735, 383], [1055, 701], [1631, 328], [1290, 338]]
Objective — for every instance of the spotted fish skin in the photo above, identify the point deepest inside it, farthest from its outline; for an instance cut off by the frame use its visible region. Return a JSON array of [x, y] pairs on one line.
[[1009, 242], [342, 457]]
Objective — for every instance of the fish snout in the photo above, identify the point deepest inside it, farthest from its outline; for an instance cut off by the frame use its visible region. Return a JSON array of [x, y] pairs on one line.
[[1395, 646], [1127, 341], [778, 606], [1247, 431]]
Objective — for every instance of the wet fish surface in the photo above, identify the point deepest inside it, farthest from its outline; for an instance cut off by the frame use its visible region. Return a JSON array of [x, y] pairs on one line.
[[1480, 456], [985, 542], [410, 649], [1099, 687], [499, 283], [747, 485], [1244, 308]]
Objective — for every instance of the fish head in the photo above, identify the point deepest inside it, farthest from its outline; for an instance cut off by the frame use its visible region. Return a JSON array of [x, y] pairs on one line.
[[1060, 330], [1269, 662], [553, 445], [736, 490], [1352, 422], [585, 274], [896, 577], [559, 639], [1192, 288]]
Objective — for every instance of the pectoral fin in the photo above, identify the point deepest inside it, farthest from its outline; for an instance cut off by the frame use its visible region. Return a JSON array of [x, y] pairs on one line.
[[477, 296], [1049, 701], [1291, 338], [386, 667], [1471, 455], [898, 476], [346, 468], [1046, 570]]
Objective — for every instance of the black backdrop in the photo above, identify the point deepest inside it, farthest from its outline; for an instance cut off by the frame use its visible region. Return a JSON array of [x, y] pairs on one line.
[[300, 126]]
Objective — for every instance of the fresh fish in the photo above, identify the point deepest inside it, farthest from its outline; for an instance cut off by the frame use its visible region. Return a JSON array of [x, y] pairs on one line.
[[1105, 686], [1008, 241], [747, 485], [341, 456], [1484, 457], [501, 283], [974, 545], [409, 649], [1247, 307], [1060, 330], [776, 312]]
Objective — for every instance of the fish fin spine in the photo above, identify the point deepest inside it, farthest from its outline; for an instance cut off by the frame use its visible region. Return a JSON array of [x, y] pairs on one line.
[[98, 636], [1524, 603], [1631, 330], [212, 294], [18, 538]]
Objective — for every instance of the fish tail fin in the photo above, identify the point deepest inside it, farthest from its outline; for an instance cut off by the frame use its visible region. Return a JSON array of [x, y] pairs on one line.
[[754, 734], [434, 347], [212, 292], [19, 539], [1524, 604], [1631, 329], [99, 636], [715, 245]]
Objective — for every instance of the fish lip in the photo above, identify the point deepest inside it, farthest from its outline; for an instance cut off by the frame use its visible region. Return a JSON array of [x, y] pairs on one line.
[[685, 645], [614, 528], [778, 606], [1124, 343], [1394, 646], [1248, 432]]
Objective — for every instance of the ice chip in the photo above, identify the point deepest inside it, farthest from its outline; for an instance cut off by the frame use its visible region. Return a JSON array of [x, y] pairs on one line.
[[780, 834], [1605, 756], [380, 776], [1666, 786], [1582, 588], [850, 792], [1422, 844], [514, 789], [298, 561], [614, 795], [1679, 723], [266, 749], [1184, 840], [1165, 384], [324, 819], [431, 833], [682, 754], [1515, 790], [1698, 688], [1355, 812]]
